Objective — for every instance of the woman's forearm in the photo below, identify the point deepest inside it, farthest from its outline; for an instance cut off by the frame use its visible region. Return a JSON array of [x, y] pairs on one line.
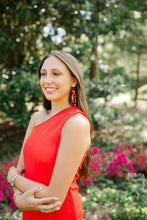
[[23, 184], [25, 194]]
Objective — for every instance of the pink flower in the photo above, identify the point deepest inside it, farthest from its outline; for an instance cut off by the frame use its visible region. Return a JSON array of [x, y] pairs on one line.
[[116, 151], [8, 186], [103, 154], [6, 191], [122, 160], [1, 195], [130, 147], [95, 150]]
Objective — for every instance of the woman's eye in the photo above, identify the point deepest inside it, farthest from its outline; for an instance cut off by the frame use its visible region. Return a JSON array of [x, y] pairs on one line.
[[56, 74], [42, 74]]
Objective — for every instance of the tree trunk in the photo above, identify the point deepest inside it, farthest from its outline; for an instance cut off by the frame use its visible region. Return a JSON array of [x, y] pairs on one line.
[[93, 58], [137, 77]]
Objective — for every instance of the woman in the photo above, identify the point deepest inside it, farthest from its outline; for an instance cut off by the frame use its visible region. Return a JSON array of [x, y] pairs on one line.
[[56, 147]]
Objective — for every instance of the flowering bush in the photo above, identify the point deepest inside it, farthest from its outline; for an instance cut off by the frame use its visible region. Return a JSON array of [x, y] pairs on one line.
[[125, 204], [6, 191], [122, 160]]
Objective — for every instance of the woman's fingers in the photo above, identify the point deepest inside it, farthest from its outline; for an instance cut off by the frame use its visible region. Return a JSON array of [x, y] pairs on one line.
[[46, 205], [32, 191], [47, 200], [50, 208]]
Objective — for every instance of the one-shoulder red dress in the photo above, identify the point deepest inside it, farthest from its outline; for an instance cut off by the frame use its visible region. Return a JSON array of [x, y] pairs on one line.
[[40, 151]]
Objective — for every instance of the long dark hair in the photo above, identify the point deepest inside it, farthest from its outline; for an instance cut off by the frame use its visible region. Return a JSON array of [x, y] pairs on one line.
[[73, 66]]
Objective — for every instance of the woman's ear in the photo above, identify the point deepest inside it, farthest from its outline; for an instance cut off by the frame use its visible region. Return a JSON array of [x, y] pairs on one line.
[[74, 81]]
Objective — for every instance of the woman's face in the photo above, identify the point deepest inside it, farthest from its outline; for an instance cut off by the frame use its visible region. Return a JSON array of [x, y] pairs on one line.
[[56, 81]]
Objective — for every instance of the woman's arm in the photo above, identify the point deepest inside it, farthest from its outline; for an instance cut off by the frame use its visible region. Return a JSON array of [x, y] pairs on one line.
[[75, 140], [20, 167], [27, 200], [32, 123]]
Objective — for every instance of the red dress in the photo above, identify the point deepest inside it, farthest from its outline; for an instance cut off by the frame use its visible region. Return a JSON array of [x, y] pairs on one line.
[[40, 151]]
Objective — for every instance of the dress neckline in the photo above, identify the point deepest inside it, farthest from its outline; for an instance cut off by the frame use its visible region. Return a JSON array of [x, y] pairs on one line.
[[65, 109]]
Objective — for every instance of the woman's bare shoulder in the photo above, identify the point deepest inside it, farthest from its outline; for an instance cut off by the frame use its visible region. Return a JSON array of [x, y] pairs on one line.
[[78, 129], [79, 122], [38, 117]]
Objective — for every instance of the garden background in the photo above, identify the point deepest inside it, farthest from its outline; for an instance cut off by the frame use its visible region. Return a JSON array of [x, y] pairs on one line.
[[109, 38]]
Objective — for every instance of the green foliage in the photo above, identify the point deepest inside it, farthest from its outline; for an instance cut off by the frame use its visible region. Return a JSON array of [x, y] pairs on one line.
[[102, 115], [125, 201], [143, 89], [25, 38], [109, 85], [125, 126], [19, 94], [9, 218], [17, 216], [21, 29], [22, 25], [142, 92]]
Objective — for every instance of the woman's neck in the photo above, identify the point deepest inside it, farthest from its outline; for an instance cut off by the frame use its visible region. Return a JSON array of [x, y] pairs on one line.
[[58, 107]]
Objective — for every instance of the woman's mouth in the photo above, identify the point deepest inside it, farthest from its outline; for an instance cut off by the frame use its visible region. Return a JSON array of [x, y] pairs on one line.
[[50, 90]]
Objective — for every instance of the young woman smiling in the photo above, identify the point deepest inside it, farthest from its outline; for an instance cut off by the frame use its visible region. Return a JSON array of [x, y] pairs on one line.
[[56, 148]]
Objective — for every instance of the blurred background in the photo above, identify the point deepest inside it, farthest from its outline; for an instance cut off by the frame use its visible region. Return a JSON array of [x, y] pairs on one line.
[[109, 39]]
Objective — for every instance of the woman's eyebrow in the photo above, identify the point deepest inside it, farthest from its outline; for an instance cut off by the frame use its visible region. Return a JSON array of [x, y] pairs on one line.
[[43, 70], [53, 69], [56, 69]]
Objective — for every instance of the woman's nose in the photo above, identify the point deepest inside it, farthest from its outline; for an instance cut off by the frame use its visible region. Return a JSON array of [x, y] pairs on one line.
[[48, 78]]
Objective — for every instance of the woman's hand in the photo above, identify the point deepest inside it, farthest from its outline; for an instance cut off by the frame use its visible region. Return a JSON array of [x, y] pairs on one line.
[[27, 201], [11, 173]]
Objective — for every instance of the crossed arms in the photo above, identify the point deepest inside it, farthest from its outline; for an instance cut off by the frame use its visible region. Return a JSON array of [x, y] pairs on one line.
[[75, 141]]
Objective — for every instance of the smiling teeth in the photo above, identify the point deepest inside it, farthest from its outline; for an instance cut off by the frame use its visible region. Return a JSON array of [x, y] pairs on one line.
[[48, 89]]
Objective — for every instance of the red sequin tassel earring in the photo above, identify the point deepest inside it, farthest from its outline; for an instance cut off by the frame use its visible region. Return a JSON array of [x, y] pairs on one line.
[[74, 97]]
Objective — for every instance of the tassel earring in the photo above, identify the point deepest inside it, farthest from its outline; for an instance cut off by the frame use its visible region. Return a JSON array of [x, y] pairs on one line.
[[74, 97]]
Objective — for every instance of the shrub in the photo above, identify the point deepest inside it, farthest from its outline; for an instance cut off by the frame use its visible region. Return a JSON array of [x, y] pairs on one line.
[[124, 204], [19, 94], [118, 163], [6, 191]]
